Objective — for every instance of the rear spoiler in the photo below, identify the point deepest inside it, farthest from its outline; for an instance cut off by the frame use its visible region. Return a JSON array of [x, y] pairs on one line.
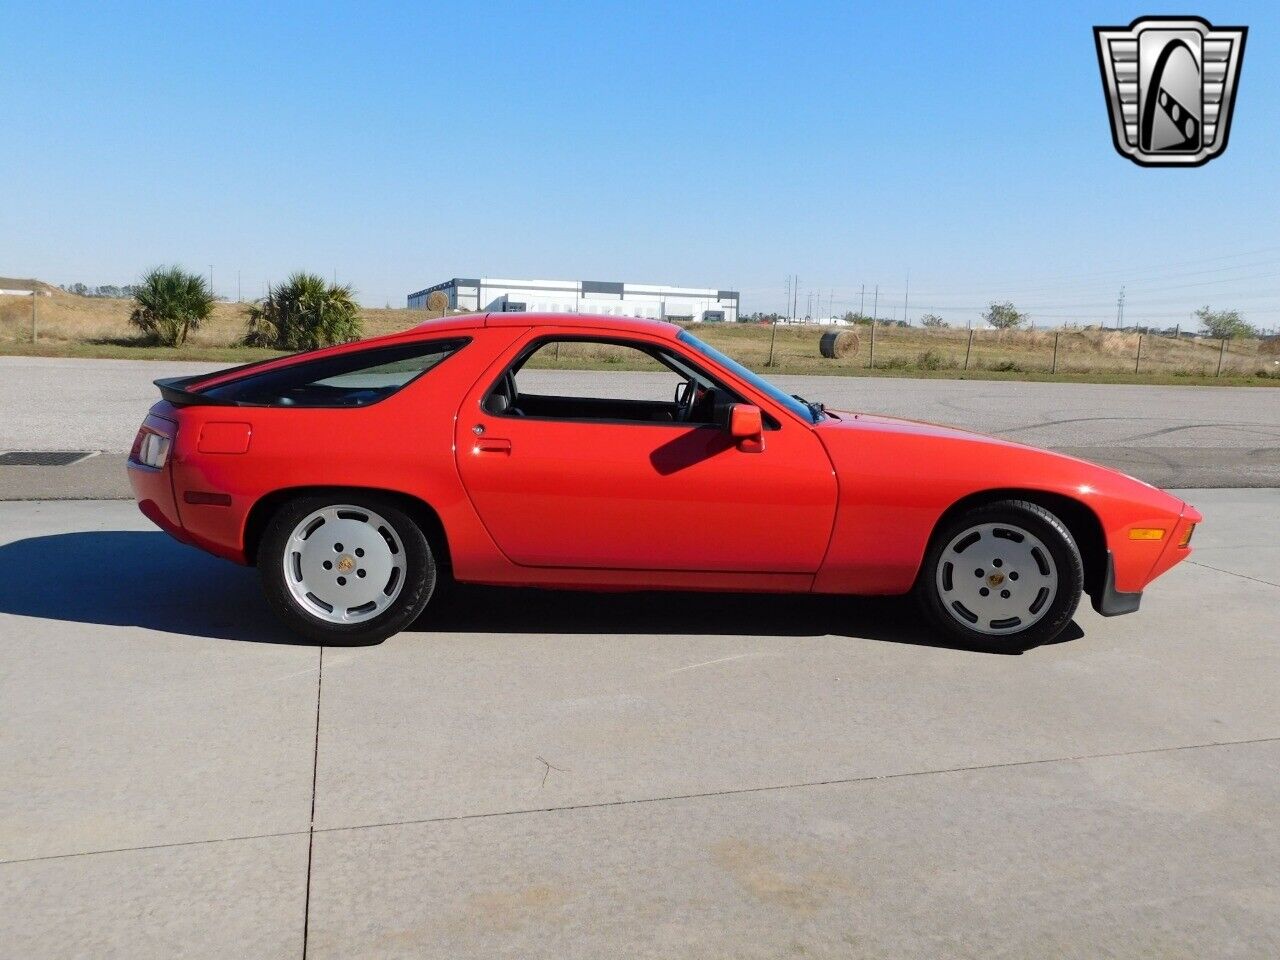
[[177, 391]]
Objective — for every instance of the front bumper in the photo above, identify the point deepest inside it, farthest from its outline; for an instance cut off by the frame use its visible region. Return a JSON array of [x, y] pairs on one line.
[[1109, 601]]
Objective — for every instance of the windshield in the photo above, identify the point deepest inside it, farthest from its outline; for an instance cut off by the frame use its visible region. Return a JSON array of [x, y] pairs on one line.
[[795, 405]]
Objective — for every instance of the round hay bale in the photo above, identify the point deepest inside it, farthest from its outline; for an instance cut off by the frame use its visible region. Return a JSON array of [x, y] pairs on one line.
[[438, 300], [838, 343]]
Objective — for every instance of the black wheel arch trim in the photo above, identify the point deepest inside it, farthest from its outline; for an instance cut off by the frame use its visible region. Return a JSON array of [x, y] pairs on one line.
[[419, 510], [1080, 519]]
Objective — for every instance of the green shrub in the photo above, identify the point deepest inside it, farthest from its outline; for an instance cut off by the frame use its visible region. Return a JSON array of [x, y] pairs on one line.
[[303, 313], [168, 303], [1224, 324], [1006, 366], [1004, 316], [932, 359]]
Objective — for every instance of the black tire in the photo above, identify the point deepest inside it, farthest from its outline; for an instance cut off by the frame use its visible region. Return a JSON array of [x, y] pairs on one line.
[[1008, 517], [416, 592]]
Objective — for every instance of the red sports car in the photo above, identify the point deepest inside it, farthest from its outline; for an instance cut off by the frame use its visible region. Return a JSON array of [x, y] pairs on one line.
[[357, 477]]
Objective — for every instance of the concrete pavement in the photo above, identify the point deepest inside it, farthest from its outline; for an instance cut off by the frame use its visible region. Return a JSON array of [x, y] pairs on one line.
[[532, 774]]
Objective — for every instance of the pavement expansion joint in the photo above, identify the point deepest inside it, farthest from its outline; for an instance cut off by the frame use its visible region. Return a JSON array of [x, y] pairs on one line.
[[1232, 573]]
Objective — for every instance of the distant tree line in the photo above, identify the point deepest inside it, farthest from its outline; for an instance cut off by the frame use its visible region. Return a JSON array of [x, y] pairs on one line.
[[1003, 315], [105, 290]]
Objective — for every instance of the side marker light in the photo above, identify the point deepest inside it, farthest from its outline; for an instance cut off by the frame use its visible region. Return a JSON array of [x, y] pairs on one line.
[[1146, 533]]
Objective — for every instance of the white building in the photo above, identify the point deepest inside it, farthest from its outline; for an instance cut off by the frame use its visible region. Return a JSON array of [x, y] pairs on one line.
[[584, 296]]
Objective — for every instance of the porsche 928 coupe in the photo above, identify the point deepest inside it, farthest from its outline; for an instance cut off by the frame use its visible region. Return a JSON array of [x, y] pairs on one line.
[[358, 478]]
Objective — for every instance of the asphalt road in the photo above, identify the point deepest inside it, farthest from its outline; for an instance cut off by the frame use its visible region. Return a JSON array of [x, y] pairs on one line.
[[1170, 436], [566, 775]]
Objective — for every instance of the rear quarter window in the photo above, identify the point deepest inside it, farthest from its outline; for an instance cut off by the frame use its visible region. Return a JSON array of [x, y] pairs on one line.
[[355, 379]]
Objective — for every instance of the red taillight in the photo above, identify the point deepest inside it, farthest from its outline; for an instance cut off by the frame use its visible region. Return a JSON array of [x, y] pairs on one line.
[[150, 448]]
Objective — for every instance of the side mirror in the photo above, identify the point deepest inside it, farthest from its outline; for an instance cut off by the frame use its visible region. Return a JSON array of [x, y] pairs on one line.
[[746, 426]]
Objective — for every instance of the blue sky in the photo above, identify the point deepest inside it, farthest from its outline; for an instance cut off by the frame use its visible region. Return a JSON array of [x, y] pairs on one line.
[[964, 145]]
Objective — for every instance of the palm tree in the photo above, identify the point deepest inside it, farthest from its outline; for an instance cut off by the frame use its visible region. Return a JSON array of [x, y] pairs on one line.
[[169, 303], [303, 313]]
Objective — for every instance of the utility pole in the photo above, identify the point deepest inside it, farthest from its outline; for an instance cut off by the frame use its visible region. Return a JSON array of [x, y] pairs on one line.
[[211, 279], [905, 295], [773, 335], [1120, 309], [862, 301], [795, 296], [875, 307]]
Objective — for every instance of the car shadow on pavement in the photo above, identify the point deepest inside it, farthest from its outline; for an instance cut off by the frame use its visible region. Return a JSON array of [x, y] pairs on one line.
[[473, 609], [133, 578], [146, 579]]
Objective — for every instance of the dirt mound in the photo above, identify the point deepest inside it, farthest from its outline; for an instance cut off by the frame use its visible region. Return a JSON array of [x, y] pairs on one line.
[[13, 283]]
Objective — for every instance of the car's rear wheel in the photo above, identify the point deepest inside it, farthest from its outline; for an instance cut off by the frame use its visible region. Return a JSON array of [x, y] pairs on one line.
[[347, 569], [1006, 575]]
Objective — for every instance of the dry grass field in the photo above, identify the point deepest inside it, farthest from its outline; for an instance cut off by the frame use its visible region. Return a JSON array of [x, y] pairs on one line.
[[71, 325]]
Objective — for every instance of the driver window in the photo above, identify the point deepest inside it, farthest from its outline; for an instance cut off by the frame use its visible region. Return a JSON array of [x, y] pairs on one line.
[[607, 371], [613, 381]]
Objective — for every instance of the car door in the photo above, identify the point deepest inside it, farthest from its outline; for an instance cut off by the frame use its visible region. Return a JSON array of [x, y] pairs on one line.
[[652, 494]]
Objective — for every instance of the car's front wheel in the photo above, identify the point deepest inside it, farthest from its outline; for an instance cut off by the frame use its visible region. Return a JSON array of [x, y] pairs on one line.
[[349, 569], [1006, 575]]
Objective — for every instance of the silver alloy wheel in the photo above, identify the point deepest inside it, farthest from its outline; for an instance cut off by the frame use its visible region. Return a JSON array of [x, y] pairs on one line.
[[996, 578], [344, 564]]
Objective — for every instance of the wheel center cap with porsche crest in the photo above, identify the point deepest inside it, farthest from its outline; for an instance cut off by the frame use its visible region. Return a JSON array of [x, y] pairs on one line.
[[996, 579], [346, 564]]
